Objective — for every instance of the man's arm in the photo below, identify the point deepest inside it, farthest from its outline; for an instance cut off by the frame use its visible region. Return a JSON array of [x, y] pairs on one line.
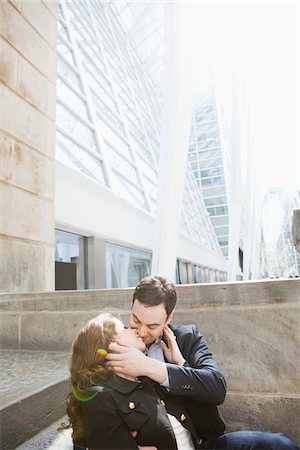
[[199, 378], [132, 362]]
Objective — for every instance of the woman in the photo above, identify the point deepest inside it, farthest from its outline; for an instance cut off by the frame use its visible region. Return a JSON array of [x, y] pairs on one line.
[[106, 410]]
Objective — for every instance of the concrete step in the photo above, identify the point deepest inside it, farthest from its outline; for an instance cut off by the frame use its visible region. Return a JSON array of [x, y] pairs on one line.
[[50, 439], [33, 388]]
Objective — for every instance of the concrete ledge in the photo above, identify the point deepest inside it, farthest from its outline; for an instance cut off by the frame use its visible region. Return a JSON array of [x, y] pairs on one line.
[[262, 412], [27, 417]]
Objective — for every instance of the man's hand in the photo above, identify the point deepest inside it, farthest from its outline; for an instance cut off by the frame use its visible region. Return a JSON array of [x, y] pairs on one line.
[[131, 362], [171, 351], [126, 360]]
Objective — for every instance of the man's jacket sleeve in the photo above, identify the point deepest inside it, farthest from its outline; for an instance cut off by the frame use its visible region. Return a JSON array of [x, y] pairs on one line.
[[199, 378]]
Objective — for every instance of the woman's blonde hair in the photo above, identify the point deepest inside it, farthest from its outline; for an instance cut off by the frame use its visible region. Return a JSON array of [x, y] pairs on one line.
[[87, 366]]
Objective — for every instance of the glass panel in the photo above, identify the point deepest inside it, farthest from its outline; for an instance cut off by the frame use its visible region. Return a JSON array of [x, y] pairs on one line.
[[66, 72], [211, 172], [75, 127], [128, 191], [212, 201], [78, 158], [221, 231], [218, 211], [65, 51], [121, 164], [126, 266], [215, 180], [69, 251], [71, 98], [183, 273]]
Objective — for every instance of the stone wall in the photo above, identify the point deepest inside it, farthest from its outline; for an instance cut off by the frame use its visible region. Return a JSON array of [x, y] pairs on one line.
[[28, 34], [252, 329]]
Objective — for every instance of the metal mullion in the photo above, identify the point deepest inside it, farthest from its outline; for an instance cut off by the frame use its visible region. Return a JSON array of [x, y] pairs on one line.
[[150, 181], [75, 114], [154, 106], [147, 162], [103, 101], [103, 76], [82, 49], [134, 100], [127, 180], [67, 43], [131, 148], [65, 60], [79, 19], [72, 87], [62, 20], [79, 143], [111, 126], [108, 176], [121, 154], [77, 162], [144, 130]]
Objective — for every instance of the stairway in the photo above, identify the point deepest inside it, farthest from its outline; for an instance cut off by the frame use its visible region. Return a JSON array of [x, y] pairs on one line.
[[33, 387]]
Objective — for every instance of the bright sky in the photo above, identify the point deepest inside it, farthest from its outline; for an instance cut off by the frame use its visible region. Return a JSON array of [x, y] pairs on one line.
[[260, 39]]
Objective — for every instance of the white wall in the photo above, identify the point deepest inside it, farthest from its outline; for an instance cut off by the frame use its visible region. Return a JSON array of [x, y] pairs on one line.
[[88, 208]]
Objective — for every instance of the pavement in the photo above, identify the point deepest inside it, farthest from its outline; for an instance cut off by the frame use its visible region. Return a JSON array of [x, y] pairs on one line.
[[50, 439]]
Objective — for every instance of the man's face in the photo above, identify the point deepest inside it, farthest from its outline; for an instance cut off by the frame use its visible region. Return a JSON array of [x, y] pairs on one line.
[[149, 321]]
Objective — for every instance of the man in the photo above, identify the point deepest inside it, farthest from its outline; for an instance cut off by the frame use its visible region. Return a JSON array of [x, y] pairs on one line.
[[185, 374]]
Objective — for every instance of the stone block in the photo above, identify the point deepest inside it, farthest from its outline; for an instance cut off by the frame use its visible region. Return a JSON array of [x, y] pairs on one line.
[[33, 171], [256, 348], [24, 122], [9, 64], [41, 19], [9, 330], [6, 157], [52, 5], [111, 300], [17, 4], [239, 293], [36, 88], [15, 28], [22, 266], [29, 217], [263, 413], [52, 331]]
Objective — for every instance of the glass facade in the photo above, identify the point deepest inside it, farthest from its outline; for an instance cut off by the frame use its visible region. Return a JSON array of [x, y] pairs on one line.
[[278, 253], [109, 104], [206, 160]]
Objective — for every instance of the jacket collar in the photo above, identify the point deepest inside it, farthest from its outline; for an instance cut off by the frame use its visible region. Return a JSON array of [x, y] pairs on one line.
[[118, 384]]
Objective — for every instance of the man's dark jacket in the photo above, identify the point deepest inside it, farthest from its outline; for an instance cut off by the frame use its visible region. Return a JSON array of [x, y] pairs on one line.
[[198, 385]]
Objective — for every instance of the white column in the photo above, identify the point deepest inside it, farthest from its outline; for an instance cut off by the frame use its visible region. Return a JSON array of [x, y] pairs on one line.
[[234, 198], [174, 140]]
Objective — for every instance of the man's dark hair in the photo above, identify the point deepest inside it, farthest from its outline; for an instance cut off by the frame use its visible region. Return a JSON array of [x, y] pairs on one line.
[[153, 291]]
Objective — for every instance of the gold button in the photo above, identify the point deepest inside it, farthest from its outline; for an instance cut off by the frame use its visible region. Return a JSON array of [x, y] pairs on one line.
[[131, 405], [199, 441], [162, 402], [182, 417]]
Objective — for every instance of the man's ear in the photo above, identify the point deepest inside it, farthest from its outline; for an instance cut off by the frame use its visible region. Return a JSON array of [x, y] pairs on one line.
[[169, 319]]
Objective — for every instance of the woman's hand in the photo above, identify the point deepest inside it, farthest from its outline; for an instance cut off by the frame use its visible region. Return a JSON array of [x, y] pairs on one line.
[[171, 351], [142, 447]]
